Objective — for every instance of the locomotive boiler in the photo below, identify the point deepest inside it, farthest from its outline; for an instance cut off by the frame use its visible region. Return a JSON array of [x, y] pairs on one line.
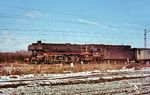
[[76, 53]]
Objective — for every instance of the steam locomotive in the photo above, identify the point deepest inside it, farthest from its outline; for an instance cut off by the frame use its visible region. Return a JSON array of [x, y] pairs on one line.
[[79, 53]]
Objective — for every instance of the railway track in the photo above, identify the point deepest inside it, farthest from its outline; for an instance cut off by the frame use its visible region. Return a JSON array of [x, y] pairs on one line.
[[133, 82]]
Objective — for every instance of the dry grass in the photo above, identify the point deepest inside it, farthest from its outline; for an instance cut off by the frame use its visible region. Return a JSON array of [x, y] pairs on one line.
[[21, 69]]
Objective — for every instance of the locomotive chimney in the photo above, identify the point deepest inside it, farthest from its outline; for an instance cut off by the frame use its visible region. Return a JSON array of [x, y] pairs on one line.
[[39, 42]]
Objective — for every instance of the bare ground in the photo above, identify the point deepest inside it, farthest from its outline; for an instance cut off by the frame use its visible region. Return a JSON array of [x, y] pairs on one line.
[[86, 79], [23, 69], [114, 82]]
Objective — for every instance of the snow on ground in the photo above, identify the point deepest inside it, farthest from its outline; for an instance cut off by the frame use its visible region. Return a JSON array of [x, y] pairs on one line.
[[109, 74], [94, 82]]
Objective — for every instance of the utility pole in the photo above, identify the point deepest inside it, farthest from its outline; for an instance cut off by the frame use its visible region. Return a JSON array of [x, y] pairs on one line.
[[145, 37]]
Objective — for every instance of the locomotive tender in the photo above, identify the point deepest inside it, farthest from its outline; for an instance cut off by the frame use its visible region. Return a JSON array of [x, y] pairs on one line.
[[93, 53]]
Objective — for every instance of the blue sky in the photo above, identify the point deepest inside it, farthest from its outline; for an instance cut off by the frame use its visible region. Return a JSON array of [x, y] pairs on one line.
[[73, 21]]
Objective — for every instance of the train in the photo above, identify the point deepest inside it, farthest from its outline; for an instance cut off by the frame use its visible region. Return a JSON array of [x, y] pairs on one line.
[[85, 53]]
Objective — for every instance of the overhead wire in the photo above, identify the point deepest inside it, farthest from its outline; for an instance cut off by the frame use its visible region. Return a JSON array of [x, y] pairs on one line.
[[59, 31], [2, 15]]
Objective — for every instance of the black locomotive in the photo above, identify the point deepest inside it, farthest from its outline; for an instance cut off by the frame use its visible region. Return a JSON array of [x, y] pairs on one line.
[[78, 53]]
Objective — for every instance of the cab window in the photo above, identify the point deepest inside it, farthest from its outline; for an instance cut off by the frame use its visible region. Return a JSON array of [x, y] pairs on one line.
[[139, 52]]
